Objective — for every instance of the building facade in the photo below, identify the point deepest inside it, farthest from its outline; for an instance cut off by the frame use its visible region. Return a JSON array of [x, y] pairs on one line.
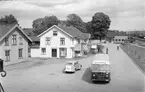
[[120, 39], [13, 44], [59, 42]]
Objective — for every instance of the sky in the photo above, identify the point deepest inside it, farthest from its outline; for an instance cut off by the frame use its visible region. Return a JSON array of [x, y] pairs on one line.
[[125, 15]]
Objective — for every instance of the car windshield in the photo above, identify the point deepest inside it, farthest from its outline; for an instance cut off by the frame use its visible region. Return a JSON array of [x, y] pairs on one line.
[[69, 64], [99, 67]]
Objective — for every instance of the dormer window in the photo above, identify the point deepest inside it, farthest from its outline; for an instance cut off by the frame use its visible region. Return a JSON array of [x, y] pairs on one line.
[[54, 33]]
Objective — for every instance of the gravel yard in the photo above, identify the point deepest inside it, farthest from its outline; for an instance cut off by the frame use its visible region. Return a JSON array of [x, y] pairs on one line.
[[35, 76]]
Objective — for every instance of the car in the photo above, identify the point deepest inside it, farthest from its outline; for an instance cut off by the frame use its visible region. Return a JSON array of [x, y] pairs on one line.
[[72, 66]]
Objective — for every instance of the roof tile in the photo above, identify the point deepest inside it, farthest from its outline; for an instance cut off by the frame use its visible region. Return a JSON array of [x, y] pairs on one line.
[[5, 28]]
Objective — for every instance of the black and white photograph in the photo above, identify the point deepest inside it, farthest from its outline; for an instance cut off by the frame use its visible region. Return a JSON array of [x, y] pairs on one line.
[[72, 45]]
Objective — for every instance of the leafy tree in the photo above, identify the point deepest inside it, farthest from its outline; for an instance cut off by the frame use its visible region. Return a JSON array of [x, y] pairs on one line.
[[8, 19], [88, 27], [76, 21], [42, 24], [100, 24]]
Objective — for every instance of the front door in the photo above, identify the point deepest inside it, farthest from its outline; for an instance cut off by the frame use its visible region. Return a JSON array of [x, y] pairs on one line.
[[54, 52]]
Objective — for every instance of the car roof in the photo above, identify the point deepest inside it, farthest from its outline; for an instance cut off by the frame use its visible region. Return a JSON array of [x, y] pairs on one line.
[[73, 61]]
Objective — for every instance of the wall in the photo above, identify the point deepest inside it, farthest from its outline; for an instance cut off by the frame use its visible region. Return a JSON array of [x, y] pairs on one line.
[[120, 37], [35, 52], [14, 48], [55, 42]]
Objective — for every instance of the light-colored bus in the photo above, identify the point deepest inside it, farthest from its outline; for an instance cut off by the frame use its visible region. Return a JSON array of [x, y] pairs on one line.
[[100, 68]]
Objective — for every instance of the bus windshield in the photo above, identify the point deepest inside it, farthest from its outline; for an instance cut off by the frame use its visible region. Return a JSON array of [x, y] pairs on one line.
[[99, 67]]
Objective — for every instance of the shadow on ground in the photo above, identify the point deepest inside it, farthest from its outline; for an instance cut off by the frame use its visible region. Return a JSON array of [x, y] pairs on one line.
[[87, 77]]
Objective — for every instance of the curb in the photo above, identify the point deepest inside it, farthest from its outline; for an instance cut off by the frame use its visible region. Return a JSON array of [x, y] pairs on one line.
[[133, 61]]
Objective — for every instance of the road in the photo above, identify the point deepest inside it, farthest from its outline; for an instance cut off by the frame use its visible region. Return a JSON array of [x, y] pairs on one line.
[[126, 77]]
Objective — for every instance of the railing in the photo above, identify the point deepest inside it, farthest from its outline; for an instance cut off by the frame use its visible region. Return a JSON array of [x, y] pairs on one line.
[[1, 88], [3, 74]]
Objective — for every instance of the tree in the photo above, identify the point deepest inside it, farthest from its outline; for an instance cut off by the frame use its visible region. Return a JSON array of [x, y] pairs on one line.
[[42, 24], [76, 21], [88, 27], [8, 19], [100, 24]]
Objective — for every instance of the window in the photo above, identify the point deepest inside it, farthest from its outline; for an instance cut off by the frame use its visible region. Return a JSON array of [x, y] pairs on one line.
[[54, 33], [63, 52], [14, 40], [43, 51], [21, 40], [62, 41], [47, 39], [6, 42], [7, 55], [119, 39], [20, 53]]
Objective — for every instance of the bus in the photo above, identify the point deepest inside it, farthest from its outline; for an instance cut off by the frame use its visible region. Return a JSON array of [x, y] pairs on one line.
[[100, 68]]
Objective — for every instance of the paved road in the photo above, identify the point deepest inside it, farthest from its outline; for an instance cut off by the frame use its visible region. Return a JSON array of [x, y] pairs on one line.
[[126, 77]]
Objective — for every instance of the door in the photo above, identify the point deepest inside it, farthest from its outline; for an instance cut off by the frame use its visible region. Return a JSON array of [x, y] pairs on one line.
[[54, 52]]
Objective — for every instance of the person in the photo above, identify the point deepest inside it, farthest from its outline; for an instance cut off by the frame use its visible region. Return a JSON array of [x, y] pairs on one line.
[[107, 51], [117, 47]]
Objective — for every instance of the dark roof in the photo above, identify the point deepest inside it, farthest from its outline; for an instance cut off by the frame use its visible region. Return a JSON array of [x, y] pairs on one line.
[[121, 34], [5, 28], [74, 32], [28, 31], [86, 35], [113, 33], [34, 38]]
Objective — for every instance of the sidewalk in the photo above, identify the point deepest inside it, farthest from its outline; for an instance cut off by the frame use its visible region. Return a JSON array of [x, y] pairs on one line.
[[138, 58]]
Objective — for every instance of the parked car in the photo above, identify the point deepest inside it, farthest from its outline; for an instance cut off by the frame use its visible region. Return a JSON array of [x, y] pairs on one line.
[[72, 66]]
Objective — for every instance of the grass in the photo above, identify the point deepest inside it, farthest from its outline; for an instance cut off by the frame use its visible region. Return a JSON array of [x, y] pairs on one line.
[[137, 54]]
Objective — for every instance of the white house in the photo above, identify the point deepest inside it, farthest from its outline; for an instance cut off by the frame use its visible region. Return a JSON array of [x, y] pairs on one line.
[[13, 44], [120, 38], [60, 42]]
